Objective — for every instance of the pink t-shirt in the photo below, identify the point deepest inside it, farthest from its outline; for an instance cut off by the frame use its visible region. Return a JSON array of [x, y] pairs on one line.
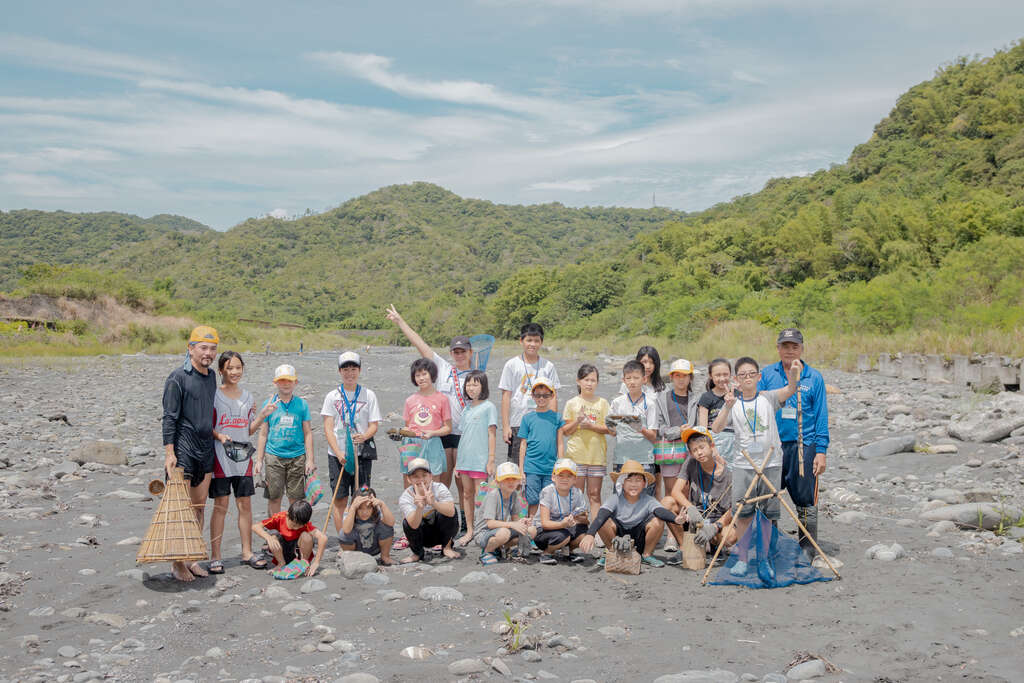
[[426, 412]]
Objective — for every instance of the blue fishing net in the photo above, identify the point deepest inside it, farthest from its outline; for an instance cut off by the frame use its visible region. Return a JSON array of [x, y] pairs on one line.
[[764, 558], [482, 344]]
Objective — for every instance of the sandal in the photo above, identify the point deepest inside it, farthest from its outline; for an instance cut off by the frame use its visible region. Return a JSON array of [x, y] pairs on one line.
[[400, 544], [256, 561], [487, 559], [215, 567]]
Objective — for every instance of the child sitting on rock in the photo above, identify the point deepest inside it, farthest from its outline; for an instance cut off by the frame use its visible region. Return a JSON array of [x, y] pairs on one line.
[[290, 536], [498, 525], [563, 513], [368, 526], [630, 512]]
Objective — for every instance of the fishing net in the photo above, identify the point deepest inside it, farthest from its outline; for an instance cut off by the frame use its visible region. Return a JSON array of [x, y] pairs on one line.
[[764, 558], [482, 345]]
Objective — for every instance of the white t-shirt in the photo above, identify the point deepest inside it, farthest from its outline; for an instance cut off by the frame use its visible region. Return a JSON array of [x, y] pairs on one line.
[[756, 429], [517, 376], [407, 503], [449, 382], [630, 444], [232, 417], [366, 411]]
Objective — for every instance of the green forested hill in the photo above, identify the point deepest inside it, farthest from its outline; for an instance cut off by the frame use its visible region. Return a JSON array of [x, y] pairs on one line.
[[921, 229], [59, 237]]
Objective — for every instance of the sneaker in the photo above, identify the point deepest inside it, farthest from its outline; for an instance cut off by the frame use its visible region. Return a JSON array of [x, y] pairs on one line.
[[675, 559], [600, 561], [547, 558], [534, 550], [598, 542], [576, 559], [671, 546], [739, 569], [652, 561]]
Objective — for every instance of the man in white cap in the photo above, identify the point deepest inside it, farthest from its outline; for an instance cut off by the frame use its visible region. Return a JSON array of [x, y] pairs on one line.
[[285, 443], [428, 513], [351, 417]]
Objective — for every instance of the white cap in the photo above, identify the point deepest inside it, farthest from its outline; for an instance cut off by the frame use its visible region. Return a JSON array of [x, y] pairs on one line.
[[417, 464], [349, 357], [507, 470], [682, 366], [565, 465], [285, 372]]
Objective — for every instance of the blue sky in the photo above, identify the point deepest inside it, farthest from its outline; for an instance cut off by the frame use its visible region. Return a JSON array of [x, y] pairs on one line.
[[224, 111]]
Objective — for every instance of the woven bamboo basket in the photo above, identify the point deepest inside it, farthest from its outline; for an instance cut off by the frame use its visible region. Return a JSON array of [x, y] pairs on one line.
[[174, 534], [694, 556]]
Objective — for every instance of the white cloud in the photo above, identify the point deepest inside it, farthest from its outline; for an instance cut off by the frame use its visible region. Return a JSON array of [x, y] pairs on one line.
[[75, 59], [278, 213]]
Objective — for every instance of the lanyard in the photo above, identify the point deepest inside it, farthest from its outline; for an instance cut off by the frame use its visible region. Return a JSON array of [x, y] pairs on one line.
[[458, 389], [558, 500], [704, 495], [536, 372], [502, 500], [632, 403], [679, 410], [752, 425], [350, 407]]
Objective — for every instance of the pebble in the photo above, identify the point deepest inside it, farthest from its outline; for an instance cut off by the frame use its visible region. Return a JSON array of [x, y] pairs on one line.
[[277, 593], [974, 462], [949, 496], [298, 607], [698, 676], [944, 553], [943, 527], [851, 517], [883, 552], [343, 646], [215, 653], [541, 673], [482, 577], [87, 572], [360, 677], [377, 579], [112, 620], [44, 611], [390, 596], [354, 564], [530, 656], [68, 651], [440, 594], [612, 632], [774, 678], [500, 666], [462, 667], [558, 641], [815, 668], [416, 652], [312, 586]]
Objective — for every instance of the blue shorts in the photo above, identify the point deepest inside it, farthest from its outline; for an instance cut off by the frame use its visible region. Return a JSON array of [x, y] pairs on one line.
[[535, 483]]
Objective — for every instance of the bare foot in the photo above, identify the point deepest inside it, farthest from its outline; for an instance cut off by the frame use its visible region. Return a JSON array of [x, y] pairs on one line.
[[451, 553], [410, 559], [181, 572], [197, 569], [386, 561], [464, 541]]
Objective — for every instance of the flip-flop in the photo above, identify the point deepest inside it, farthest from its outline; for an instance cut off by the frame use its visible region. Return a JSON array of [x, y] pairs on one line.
[[216, 567], [256, 561], [292, 570], [400, 544]]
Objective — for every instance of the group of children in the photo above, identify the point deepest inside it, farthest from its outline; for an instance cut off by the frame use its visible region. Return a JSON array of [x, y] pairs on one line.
[[546, 497]]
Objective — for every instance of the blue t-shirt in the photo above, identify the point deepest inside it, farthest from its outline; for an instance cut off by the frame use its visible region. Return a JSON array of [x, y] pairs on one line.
[[285, 438], [540, 432], [475, 423]]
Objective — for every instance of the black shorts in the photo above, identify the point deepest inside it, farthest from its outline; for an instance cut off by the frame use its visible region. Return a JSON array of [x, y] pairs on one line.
[[638, 533], [513, 446], [556, 536], [196, 467], [348, 481], [241, 486], [450, 440], [290, 549]]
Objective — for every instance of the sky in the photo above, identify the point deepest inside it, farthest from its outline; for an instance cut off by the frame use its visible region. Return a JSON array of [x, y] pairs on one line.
[[225, 111]]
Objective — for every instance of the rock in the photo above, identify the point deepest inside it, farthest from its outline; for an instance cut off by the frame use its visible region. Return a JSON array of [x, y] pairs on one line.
[[980, 495], [133, 496], [902, 443], [774, 678], [298, 607], [942, 553], [612, 632], [1015, 532], [63, 469], [131, 540], [547, 675], [416, 652], [974, 462], [985, 426], [973, 515], [1011, 548], [897, 409], [558, 640], [68, 651], [481, 577], [358, 678], [343, 646], [885, 553], [112, 620], [376, 579], [74, 613], [312, 586], [462, 667], [277, 593], [501, 667], [43, 611], [354, 564], [698, 676], [942, 448], [134, 574], [440, 594], [141, 451], [390, 596], [530, 655], [815, 668], [215, 653], [851, 517], [88, 571], [949, 496], [103, 452]]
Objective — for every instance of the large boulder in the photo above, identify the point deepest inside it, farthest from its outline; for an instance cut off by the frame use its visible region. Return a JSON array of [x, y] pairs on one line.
[[901, 443], [995, 422], [354, 564], [103, 452], [974, 515]]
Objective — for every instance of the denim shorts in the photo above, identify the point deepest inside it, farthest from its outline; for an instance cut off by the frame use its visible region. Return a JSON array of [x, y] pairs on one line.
[[535, 483]]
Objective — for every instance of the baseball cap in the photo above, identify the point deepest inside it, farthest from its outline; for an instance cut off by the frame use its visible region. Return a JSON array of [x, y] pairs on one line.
[[541, 382], [507, 470], [417, 464], [204, 333], [696, 431], [682, 366], [565, 465], [284, 372], [461, 342], [790, 334], [349, 357]]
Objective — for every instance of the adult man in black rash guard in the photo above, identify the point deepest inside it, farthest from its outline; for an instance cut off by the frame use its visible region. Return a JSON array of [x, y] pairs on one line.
[[188, 427]]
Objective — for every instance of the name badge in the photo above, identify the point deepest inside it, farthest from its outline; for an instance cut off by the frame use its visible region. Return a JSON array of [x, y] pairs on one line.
[[286, 421], [755, 448], [788, 413]]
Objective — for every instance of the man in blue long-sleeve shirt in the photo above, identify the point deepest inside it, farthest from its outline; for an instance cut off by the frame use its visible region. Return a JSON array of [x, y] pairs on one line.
[[814, 406]]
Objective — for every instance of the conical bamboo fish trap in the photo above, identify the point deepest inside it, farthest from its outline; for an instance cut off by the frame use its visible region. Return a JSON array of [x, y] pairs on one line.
[[174, 534]]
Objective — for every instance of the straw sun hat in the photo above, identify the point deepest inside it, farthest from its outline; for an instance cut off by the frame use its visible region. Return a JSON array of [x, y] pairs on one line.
[[633, 467]]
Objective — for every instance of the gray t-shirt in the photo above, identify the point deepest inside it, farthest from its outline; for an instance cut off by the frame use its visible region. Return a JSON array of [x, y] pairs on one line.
[[560, 506], [629, 514], [705, 489], [496, 506]]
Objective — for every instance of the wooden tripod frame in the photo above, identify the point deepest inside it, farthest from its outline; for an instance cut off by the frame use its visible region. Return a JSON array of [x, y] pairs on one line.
[[759, 475]]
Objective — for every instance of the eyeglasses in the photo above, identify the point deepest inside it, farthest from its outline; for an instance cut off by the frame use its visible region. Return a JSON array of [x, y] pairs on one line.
[[746, 375], [542, 395]]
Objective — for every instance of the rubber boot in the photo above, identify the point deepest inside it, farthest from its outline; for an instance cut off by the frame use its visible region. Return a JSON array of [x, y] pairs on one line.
[[809, 518]]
